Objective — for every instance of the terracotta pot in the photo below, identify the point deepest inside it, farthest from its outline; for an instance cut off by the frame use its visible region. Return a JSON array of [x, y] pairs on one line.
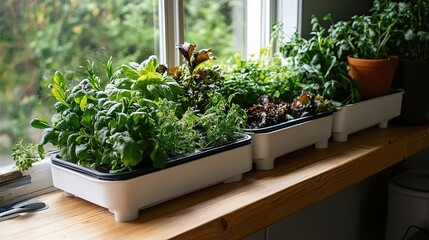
[[374, 76]]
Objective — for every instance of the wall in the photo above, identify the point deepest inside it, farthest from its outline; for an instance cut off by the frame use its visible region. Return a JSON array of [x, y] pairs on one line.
[[339, 9], [356, 213]]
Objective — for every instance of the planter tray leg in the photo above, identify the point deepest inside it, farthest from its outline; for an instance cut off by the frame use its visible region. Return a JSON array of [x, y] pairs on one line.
[[340, 137], [322, 144], [264, 164], [383, 124], [67, 194], [235, 178], [126, 215]]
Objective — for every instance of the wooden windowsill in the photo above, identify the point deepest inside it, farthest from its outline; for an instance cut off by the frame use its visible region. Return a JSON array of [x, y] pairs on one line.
[[232, 211]]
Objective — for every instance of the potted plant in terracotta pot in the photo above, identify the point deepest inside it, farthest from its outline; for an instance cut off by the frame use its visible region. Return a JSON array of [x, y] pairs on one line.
[[318, 63], [130, 143], [410, 41], [365, 38]]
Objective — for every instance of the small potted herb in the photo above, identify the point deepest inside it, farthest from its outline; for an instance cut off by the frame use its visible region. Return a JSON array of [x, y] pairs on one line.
[[365, 38], [318, 63], [127, 142]]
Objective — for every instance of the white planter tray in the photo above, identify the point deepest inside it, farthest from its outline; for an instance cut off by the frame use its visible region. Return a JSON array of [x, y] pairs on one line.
[[356, 117], [124, 198], [288, 137]]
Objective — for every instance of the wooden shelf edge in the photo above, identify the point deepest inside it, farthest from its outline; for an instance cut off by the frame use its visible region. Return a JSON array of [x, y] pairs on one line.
[[392, 147], [233, 211]]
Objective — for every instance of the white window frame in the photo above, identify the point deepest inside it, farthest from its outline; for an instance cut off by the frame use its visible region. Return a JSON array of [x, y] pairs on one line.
[[171, 26], [171, 34], [289, 13]]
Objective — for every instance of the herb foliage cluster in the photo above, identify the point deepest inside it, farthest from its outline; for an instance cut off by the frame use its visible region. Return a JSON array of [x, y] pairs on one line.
[[410, 35], [267, 113], [317, 63], [252, 78], [270, 91], [135, 120]]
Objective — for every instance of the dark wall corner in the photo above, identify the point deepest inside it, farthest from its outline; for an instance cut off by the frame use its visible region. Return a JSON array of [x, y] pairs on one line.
[[339, 10]]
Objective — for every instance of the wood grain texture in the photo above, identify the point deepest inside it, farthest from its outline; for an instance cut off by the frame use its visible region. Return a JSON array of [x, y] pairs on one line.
[[232, 211]]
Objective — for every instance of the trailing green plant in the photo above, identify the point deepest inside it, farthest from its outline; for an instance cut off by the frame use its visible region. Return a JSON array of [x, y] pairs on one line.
[[410, 35], [135, 120], [317, 64], [364, 36]]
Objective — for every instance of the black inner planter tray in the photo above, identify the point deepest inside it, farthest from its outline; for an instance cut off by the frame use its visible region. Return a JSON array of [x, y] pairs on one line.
[[288, 123], [171, 162]]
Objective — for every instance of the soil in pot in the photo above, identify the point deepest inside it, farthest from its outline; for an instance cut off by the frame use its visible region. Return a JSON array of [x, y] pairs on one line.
[[374, 76]]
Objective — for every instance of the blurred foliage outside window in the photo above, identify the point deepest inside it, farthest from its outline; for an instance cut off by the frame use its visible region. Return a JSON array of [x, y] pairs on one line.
[[219, 25], [38, 37]]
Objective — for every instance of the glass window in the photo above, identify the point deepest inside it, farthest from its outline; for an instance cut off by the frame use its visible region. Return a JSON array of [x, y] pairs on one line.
[[38, 37], [219, 25], [288, 13]]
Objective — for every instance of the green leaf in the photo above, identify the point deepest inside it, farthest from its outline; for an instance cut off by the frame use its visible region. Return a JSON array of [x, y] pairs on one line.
[[152, 77], [72, 119], [128, 149], [71, 148], [86, 117], [122, 119], [130, 72], [40, 123], [59, 106], [115, 108], [82, 151], [59, 79], [41, 151], [48, 135], [158, 157], [150, 64], [25, 156], [108, 157], [59, 87], [102, 135], [83, 102]]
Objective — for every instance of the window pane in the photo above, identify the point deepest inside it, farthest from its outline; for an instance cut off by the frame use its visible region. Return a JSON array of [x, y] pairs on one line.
[[219, 25], [38, 37], [287, 12]]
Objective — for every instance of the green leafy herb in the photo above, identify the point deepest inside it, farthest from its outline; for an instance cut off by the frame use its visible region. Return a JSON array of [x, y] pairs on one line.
[[137, 119], [228, 118], [249, 79], [317, 65], [364, 36], [410, 34], [25, 156], [199, 80]]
